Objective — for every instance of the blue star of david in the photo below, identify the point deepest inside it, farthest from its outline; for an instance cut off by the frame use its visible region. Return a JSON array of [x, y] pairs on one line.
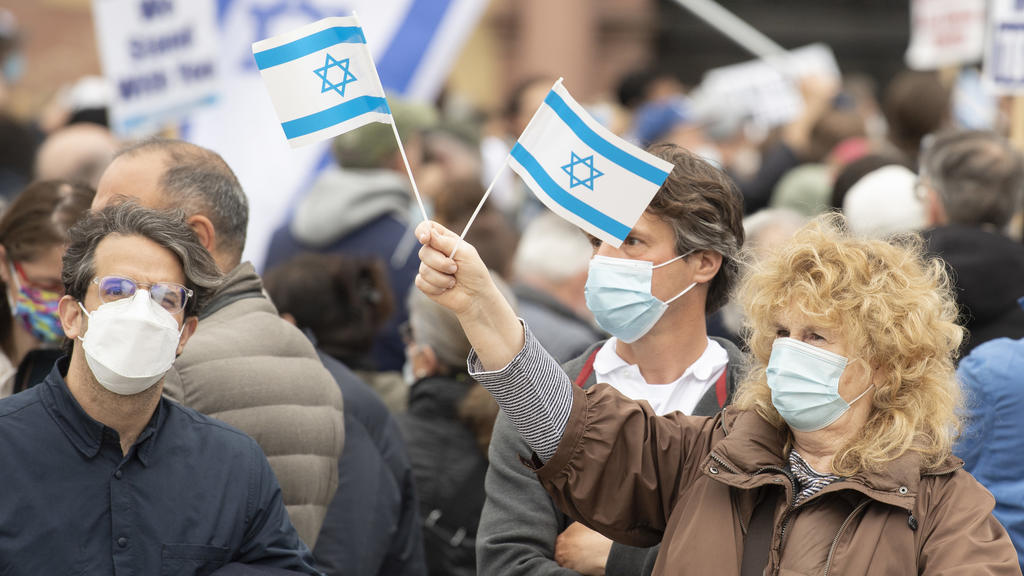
[[588, 163], [346, 77]]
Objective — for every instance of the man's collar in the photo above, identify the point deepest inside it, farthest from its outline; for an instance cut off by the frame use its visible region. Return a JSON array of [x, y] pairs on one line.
[[239, 283], [707, 364], [83, 431]]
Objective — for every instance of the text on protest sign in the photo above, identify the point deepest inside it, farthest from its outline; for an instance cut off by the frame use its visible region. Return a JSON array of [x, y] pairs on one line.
[[159, 57], [945, 33], [766, 90], [1004, 50]]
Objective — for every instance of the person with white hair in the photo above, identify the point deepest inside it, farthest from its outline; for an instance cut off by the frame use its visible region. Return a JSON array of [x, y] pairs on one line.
[[971, 182], [447, 430], [551, 265], [884, 202]]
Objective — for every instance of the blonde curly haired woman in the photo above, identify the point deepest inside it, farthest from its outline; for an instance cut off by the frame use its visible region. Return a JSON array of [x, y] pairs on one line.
[[835, 458]]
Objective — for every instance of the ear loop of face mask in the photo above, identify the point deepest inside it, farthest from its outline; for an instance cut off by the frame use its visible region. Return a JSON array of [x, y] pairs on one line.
[[15, 284], [866, 390], [688, 288]]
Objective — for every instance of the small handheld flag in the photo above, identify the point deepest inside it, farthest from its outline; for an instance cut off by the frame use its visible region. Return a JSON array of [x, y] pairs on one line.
[[323, 82], [583, 172]]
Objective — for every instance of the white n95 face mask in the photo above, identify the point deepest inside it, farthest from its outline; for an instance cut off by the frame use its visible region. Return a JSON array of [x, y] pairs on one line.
[[130, 343]]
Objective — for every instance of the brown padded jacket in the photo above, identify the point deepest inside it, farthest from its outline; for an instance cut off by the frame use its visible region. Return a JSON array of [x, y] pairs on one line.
[[693, 483]]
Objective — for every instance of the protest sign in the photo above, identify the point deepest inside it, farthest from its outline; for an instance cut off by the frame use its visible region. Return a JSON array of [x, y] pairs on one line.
[[160, 59], [766, 89], [1004, 50], [945, 33]]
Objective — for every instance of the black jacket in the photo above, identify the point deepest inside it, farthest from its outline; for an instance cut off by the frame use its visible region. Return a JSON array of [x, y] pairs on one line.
[[449, 469], [372, 525], [988, 273]]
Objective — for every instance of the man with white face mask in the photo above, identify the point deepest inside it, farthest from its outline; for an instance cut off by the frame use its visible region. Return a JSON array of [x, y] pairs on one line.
[[652, 294], [102, 473], [245, 365]]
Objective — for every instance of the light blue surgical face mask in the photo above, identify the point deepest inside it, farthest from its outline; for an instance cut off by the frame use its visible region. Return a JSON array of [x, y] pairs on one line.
[[804, 381], [619, 294]]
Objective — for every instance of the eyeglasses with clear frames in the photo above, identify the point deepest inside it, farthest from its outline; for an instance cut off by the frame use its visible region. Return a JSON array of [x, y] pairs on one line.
[[171, 296]]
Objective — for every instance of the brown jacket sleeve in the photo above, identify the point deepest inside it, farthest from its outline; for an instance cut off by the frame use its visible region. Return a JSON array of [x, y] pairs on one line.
[[958, 535], [619, 467]]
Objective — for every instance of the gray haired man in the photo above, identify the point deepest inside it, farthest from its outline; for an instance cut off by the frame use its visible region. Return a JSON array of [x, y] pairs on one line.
[[971, 183], [245, 365], [102, 473]]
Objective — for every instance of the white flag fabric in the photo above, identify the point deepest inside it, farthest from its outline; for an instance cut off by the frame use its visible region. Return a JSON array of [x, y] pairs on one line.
[[322, 80], [583, 172]]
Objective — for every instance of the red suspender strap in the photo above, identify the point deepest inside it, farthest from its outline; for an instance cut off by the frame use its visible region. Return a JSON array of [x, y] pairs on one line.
[[588, 369], [720, 390]]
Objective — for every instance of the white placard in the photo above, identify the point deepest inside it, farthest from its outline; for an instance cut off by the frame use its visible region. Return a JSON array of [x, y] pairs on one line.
[[1004, 48], [160, 58], [945, 33], [766, 89]]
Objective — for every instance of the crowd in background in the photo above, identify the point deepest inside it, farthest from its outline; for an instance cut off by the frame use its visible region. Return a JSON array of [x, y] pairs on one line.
[[335, 306]]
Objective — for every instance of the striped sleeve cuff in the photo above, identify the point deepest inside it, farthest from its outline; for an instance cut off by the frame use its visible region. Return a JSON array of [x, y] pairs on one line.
[[534, 393]]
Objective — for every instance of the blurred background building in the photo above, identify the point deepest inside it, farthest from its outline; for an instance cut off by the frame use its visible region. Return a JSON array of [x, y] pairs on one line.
[[592, 43]]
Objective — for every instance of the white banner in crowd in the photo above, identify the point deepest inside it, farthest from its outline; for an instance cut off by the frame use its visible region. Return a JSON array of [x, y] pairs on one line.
[[583, 172], [415, 43], [1004, 48], [160, 59], [945, 33], [766, 89]]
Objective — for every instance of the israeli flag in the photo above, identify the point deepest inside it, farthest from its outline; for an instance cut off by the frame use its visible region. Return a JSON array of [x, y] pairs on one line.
[[322, 80], [583, 172]]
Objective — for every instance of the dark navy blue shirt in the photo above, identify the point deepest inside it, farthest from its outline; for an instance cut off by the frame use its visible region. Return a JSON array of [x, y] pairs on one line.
[[193, 494]]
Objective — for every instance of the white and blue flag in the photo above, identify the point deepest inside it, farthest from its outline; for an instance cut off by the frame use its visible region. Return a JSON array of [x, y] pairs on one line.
[[322, 80], [415, 43], [583, 172]]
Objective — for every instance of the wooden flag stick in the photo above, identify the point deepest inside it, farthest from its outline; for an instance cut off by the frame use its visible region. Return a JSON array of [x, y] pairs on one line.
[[479, 206], [408, 169], [394, 128], [1017, 122]]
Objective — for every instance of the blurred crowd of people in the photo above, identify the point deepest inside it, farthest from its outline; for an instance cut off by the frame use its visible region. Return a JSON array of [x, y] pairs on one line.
[[390, 456]]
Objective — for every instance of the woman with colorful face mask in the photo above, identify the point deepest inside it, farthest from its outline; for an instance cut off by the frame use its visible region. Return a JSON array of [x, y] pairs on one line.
[[33, 231], [835, 457]]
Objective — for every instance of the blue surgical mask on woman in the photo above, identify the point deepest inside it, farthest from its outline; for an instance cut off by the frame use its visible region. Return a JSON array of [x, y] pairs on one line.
[[804, 381], [619, 294]]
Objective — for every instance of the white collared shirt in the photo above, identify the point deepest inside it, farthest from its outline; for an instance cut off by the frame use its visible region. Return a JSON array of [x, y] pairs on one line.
[[683, 395]]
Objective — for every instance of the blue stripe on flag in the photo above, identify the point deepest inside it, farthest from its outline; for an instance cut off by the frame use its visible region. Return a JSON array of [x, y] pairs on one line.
[[399, 63], [334, 115], [603, 147], [566, 200], [308, 45]]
